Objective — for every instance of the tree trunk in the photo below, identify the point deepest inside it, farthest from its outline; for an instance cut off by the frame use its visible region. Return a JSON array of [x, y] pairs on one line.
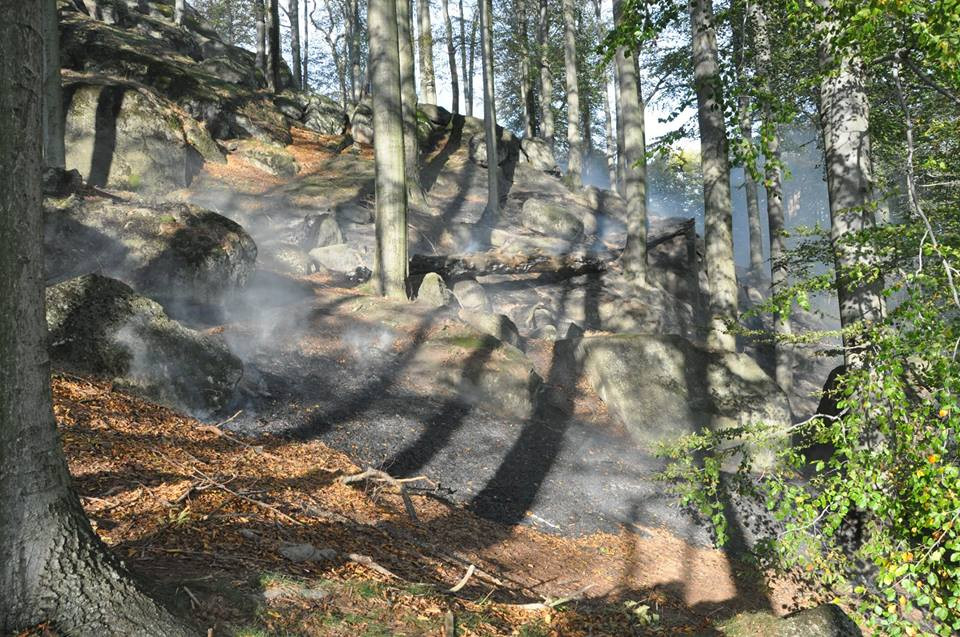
[[451, 58], [293, 12], [53, 567], [526, 91], [260, 16], [844, 119], [546, 76], [774, 187], [718, 215], [489, 112], [618, 110], [634, 257], [179, 8], [574, 142], [390, 263], [307, 13], [608, 123], [54, 122], [353, 48], [428, 81], [467, 78], [273, 45], [408, 91], [473, 50]]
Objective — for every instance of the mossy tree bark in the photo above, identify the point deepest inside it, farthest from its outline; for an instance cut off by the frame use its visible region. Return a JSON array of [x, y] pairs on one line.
[[53, 567], [54, 121], [845, 122], [451, 58], [718, 211], [408, 91], [634, 257], [489, 111], [774, 187], [390, 263], [428, 81], [547, 127], [293, 12], [574, 140]]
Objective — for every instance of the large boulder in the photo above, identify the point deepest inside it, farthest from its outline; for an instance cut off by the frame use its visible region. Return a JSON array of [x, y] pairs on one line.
[[538, 154], [268, 157], [477, 151], [172, 252], [665, 386], [827, 620], [497, 325], [128, 138], [433, 291], [361, 123], [100, 326], [551, 218], [322, 115]]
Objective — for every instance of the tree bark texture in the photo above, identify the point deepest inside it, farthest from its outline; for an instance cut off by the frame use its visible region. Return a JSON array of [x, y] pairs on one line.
[[471, 73], [467, 77], [718, 214], [451, 57], [844, 120], [293, 11], [634, 257], [390, 262], [574, 141], [307, 13], [53, 567], [179, 8], [428, 80], [489, 110], [526, 91], [548, 128], [259, 11], [408, 91], [273, 45], [54, 121]]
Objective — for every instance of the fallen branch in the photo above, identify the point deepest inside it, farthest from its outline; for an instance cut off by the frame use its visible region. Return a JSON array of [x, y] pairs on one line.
[[549, 602], [463, 582], [381, 476], [365, 560]]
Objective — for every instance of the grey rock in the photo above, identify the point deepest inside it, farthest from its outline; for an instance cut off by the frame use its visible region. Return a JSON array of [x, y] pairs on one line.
[[827, 620], [101, 326], [471, 296], [433, 291], [324, 116], [477, 151], [436, 115], [361, 123], [496, 325], [268, 157], [306, 553], [351, 213], [58, 182], [554, 219], [340, 258], [538, 154], [320, 230]]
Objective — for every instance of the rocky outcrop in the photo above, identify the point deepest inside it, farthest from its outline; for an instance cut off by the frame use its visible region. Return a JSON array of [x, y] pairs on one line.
[[823, 621], [552, 218], [101, 326], [538, 154], [433, 291], [269, 157], [175, 253], [665, 386]]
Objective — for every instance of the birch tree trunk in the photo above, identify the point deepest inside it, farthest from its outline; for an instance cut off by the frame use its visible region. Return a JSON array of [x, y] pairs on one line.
[[259, 12], [408, 92], [390, 262], [774, 186], [489, 112], [526, 91], [54, 122], [574, 142], [293, 12], [634, 257], [428, 81], [53, 567], [718, 215], [451, 58], [548, 130], [179, 8], [273, 45], [844, 120]]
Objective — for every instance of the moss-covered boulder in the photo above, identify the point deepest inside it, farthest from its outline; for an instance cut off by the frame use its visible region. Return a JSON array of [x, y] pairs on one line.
[[172, 252], [823, 621], [553, 218], [270, 158], [101, 326]]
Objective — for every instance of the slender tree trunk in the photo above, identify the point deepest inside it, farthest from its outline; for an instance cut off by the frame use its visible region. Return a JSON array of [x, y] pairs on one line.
[[466, 78], [774, 187], [621, 162], [428, 81], [54, 123], [408, 91], [548, 131], [844, 119], [489, 111], [610, 131], [259, 12], [526, 91], [293, 11], [53, 567], [179, 8], [273, 45], [353, 48], [718, 215], [473, 50], [574, 141], [390, 264], [307, 18], [451, 57], [634, 257]]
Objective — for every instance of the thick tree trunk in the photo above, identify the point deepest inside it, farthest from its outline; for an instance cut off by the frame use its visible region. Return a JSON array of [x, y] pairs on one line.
[[52, 565], [451, 57], [774, 187], [466, 78], [489, 111], [307, 18], [473, 50], [574, 141], [526, 91], [844, 120], [54, 122], [179, 8], [273, 45], [718, 215], [293, 11], [390, 263], [428, 81], [548, 130], [408, 91], [259, 12], [634, 256]]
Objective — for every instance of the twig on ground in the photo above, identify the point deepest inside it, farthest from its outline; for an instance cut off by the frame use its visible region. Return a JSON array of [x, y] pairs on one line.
[[549, 602], [366, 560], [382, 476], [463, 581]]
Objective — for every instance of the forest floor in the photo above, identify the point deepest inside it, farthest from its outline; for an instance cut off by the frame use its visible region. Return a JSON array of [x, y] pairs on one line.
[[220, 526]]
